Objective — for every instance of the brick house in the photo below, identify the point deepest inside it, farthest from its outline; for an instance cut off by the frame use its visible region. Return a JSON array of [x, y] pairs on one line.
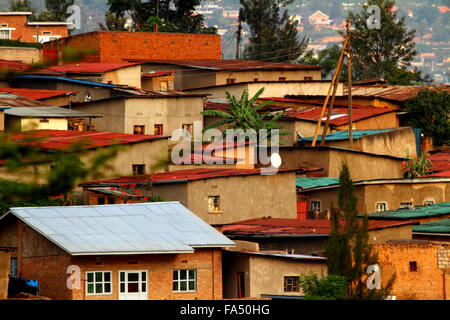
[[422, 268], [148, 251], [118, 46], [14, 26]]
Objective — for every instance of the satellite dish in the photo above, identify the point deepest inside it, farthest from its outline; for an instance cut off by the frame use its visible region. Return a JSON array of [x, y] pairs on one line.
[[275, 160]]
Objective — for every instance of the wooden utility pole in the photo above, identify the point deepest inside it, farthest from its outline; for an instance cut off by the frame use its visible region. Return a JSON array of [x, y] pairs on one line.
[[238, 38], [157, 15], [350, 102], [333, 81]]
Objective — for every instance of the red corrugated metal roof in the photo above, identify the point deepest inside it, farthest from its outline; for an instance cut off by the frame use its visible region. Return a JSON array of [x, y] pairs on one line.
[[339, 116], [186, 175], [225, 107], [14, 65], [63, 139], [393, 93], [37, 94], [280, 226], [235, 64], [156, 74], [440, 162], [88, 67]]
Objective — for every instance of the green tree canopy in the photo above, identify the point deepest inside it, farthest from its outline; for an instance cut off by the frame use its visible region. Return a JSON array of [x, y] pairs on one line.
[[429, 111]]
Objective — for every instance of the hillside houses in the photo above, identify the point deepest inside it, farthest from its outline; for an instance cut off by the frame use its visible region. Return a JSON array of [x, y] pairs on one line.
[[233, 219]]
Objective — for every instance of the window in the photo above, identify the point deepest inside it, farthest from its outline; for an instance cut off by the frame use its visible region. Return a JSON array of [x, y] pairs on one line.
[[231, 80], [13, 267], [138, 169], [184, 280], [428, 203], [407, 205], [133, 282], [4, 25], [282, 79], [158, 129], [98, 282], [413, 266], [308, 78], [140, 130], [291, 284], [46, 33], [5, 34], [255, 80], [163, 85], [44, 121], [214, 204], [100, 200], [315, 205], [111, 200], [380, 206], [187, 128]]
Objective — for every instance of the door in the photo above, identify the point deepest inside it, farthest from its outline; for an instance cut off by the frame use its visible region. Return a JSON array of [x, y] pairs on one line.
[[133, 285], [302, 207], [240, 285]]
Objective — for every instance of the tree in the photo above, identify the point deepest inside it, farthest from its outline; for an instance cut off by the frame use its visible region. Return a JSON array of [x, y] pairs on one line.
[[56, 10], [273, 37], [245, 115], [23, 6], [176, 16], [329, 288], [381, 53], [429, 111], [349, 252], [113, 22]]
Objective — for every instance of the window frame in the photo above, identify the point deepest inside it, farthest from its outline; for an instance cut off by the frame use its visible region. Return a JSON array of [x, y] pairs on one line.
[[161, 129], [296, 285], [383, 203], [8, 30], [406, 205], [141, 127], [219, 209], [136, 172], [102, 282], [311, 208], [187, 280]]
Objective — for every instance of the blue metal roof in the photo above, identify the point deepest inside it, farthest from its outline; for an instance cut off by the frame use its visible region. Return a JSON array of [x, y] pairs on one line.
[[88, 83], [4, 108], [142, 228], [343, 135]]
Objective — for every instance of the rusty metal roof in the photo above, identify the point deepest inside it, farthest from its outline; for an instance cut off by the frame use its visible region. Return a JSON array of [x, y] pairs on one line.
[[393, 93], [13, 100]]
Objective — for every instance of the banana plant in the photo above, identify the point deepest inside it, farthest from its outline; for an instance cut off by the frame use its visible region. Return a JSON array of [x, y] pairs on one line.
[[245, 115]]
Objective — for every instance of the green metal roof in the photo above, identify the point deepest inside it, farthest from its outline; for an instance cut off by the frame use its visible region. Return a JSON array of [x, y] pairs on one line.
[[343, 135], [437, 209], [313, 182], [438, 226]]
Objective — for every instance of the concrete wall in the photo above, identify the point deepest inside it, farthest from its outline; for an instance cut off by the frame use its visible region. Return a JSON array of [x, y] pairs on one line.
[[362, 166], [130, 76], [23, 54], [272, 89], [112, 112], [255, 197], [264, 275], [393, 143], [390, 193], [431, 281], [266, 75], [25, 124]]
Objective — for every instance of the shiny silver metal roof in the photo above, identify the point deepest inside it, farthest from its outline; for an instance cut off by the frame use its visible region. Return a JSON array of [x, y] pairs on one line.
[[142, 228]]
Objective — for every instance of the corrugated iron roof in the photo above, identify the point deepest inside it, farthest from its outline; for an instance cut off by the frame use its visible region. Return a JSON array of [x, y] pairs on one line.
[[94, 67], [272, 227], [13, 100], [183, 176], [433, 210], [438, 226], [64, 139], [48, 112], [314, 182], [64, 79], [339, 116], [223, 105], [235, 64], [344, 135], [144, 228], [393, 93], [37, 94], [14, 65]]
